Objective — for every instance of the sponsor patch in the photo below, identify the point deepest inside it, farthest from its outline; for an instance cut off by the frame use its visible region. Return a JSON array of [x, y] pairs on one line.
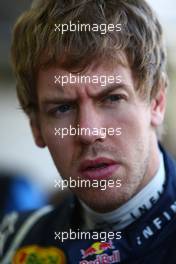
[[100, 253], [40, 255]]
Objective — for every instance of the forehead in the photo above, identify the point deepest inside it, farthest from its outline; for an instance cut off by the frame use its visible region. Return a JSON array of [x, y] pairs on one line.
[[49, 81]]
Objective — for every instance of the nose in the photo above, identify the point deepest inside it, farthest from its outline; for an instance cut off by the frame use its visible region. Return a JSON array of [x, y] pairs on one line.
[[90, 124]]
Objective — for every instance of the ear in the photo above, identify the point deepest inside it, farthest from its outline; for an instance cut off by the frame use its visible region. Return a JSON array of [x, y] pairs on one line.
[[36, 131], [158, 107]]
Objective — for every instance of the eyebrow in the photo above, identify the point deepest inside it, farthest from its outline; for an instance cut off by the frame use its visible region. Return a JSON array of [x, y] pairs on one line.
[[112, 87]]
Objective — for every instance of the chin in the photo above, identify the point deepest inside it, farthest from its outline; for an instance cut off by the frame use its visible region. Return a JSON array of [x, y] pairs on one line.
[[103, 201]]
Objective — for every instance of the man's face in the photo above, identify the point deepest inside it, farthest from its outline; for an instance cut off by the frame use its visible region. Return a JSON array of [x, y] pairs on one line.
[[130, 157]]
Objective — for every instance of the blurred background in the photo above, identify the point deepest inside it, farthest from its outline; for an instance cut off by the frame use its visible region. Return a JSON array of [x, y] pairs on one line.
[[18, 152]]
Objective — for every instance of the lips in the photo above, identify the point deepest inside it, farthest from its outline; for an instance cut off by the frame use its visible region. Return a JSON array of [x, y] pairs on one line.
[[100, 168]]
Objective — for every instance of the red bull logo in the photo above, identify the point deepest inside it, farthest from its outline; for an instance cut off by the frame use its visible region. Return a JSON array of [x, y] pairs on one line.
[[98, 249]]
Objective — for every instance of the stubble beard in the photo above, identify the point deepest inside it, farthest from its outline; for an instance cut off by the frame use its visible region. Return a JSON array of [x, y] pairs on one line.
[[131, 178]]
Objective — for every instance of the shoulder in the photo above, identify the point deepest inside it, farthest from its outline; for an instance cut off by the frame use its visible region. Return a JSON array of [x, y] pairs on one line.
[[169, 162], [17, 229], [14, 227]]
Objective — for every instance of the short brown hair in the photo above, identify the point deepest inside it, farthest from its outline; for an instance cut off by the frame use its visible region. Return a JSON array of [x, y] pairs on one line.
[[36, 44]]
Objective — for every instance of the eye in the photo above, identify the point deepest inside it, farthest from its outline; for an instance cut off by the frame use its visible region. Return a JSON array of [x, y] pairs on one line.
[[63, 108], [114, 97], [60, 109]]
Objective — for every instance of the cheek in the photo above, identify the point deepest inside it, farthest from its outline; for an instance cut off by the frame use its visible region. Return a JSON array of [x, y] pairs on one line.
[[135, 125], [59, 148]]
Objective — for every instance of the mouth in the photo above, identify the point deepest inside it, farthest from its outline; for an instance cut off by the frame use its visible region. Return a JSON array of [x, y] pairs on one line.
[[101, 168]]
